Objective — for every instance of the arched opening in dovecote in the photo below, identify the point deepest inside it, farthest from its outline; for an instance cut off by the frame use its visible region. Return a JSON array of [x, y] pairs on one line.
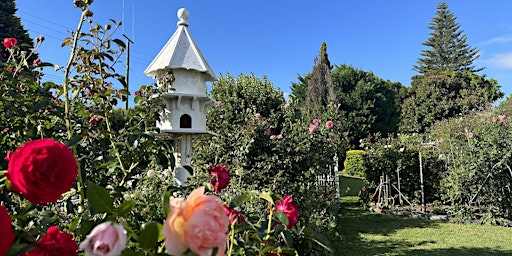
[[185, 121]]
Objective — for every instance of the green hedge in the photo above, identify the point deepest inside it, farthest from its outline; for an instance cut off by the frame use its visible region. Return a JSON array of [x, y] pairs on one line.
[[354, 163]]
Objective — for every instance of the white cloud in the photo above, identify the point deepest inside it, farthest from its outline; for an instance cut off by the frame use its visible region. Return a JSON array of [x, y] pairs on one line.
[[498, 39], [501, 60]]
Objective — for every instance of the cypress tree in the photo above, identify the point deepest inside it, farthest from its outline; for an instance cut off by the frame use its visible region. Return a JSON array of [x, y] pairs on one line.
[[10, 26], [320, 86], [448, 50]]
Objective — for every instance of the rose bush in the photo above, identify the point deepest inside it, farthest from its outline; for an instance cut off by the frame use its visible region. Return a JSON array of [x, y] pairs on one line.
[[41, 170], [125, 169]]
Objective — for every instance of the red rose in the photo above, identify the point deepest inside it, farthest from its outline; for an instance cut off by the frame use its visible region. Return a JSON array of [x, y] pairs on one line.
[[289, 208], [233, 215], [6, 232], [10, 42], [41, 170], [55, 242], [222, 178]]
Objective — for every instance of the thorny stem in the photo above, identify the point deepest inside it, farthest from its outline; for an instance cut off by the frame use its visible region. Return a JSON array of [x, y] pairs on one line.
[[67, 117]]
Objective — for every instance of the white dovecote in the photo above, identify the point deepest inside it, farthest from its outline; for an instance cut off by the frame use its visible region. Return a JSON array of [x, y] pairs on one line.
[[181, 72]]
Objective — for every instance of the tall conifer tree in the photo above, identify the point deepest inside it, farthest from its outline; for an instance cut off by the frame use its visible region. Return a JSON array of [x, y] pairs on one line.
[[320, 86], [448, 50], [10, 26]]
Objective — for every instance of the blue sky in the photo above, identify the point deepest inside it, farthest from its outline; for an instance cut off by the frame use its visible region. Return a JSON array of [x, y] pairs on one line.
[[280, 39]]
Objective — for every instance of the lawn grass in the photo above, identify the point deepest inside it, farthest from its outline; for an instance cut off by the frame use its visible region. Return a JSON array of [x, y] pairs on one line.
[[367, 233]]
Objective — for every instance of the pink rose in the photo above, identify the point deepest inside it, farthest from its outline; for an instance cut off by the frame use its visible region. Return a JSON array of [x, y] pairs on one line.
[[289, 208], [137, 93], [494, 119], [470, 135], [440, 140], [42, 170], [312, 128], [218, 103], [6, 232], [316, 122], [55, 242], [233, 215], [221, 177], [329, 124], [106, 239], [36, 61], [286, 105], [502, 118], [267, 132], [10, 42], [198, 223]]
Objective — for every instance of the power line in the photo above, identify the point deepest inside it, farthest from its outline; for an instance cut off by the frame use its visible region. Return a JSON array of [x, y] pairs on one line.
[[38, 24], [49, 21]]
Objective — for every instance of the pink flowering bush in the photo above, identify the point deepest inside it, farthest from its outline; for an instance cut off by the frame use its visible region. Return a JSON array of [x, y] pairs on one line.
[[83, 176]]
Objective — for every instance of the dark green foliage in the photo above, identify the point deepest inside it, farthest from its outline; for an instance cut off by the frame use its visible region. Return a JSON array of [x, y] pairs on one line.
[[399, 157], [10, 26], [445, 95], [299, 89], [477, 148], [320, 90], [354, 163], [448, 49], [370, 104]]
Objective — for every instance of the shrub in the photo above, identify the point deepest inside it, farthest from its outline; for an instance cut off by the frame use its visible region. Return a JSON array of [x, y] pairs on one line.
[[354, 163]]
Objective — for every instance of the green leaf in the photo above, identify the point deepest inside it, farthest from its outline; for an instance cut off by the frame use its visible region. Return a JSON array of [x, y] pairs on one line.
[[287, 237], [189, 169], [318, 238], [73, 141], [281, 217], [99, 199], [165, 203], [125, 208], [239, 200], [148, 237], [119, 43], [267, 196]]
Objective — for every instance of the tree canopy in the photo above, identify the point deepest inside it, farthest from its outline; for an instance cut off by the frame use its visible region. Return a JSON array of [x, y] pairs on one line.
[[10, 26], [447, 46]]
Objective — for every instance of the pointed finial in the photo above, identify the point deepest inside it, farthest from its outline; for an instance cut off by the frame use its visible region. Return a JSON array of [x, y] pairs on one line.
[[183, 16]]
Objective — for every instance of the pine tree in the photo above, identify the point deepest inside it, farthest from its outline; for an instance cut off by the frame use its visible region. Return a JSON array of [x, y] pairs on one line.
[[448, 50], [10, 26]]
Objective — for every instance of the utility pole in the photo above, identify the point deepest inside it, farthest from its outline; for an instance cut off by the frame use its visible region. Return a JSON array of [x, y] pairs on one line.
[[128, 41]]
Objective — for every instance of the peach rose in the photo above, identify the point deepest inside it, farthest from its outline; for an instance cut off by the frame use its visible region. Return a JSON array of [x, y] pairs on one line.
[[106, 239], [198, 223]]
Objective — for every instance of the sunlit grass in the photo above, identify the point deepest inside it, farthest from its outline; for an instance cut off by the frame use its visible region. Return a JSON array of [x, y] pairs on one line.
[[366, 233]]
